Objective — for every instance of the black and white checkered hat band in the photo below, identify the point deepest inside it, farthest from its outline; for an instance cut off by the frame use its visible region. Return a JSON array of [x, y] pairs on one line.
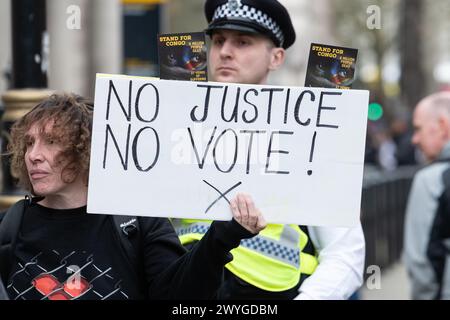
[[252, 14]]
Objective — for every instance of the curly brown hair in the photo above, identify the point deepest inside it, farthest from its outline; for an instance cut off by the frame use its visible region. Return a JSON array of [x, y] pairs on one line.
[[71, 118]]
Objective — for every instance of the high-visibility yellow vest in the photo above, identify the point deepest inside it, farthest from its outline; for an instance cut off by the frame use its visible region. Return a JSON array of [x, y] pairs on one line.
[[273, 260]]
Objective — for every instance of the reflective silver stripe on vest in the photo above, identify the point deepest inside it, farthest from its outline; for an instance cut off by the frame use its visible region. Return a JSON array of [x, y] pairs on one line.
[[286, 249], [194, 228]]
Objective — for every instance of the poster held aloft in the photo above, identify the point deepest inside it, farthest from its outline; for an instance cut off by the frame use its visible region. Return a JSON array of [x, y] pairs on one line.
[[331, 66], [183, 56], [184, 149]]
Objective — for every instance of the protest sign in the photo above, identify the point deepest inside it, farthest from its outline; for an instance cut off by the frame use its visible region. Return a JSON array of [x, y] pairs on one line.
[[183, 149], [183, 56], [331, 67]]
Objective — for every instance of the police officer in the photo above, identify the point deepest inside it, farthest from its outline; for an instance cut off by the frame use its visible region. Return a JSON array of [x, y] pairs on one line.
[[249, 39]]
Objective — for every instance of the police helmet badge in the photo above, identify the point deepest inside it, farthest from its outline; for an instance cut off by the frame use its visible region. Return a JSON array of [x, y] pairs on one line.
[[234, 5]]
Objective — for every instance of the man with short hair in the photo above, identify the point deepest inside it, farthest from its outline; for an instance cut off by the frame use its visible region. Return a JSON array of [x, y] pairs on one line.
[[427, 226], [249, 39]]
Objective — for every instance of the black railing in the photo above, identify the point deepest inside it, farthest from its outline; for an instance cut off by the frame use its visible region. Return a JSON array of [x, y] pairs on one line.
[[384, 198]]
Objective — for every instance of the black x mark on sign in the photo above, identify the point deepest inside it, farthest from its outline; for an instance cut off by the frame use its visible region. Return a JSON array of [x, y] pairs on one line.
[[222, 195]]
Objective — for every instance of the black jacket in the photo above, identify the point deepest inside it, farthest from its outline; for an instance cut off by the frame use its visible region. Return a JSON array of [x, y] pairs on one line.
[[48, 238]]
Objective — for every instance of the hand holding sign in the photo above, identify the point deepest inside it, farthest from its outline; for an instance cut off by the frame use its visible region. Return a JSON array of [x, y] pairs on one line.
[[245, 212]]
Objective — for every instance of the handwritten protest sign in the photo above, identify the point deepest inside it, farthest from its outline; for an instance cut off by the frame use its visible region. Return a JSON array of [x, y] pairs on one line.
[[184, 149]]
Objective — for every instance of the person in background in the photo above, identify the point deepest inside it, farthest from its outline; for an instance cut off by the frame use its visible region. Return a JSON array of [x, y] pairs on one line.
[[427, 226]]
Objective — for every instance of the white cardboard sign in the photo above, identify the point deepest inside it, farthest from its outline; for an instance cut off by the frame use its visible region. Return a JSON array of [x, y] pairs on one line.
[[184, 149]]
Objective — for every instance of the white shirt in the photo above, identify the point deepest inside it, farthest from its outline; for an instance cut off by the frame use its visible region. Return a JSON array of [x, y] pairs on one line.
[[341, 263]]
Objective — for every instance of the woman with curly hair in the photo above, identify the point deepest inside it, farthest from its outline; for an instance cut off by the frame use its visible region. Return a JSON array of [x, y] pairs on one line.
[[50, 148], [62, 253]]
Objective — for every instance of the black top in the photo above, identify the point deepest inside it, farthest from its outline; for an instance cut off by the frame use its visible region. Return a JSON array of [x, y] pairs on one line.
[[67, 254]]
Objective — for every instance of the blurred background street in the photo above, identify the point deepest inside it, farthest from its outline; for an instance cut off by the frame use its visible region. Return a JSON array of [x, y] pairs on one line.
[[394, 285]]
